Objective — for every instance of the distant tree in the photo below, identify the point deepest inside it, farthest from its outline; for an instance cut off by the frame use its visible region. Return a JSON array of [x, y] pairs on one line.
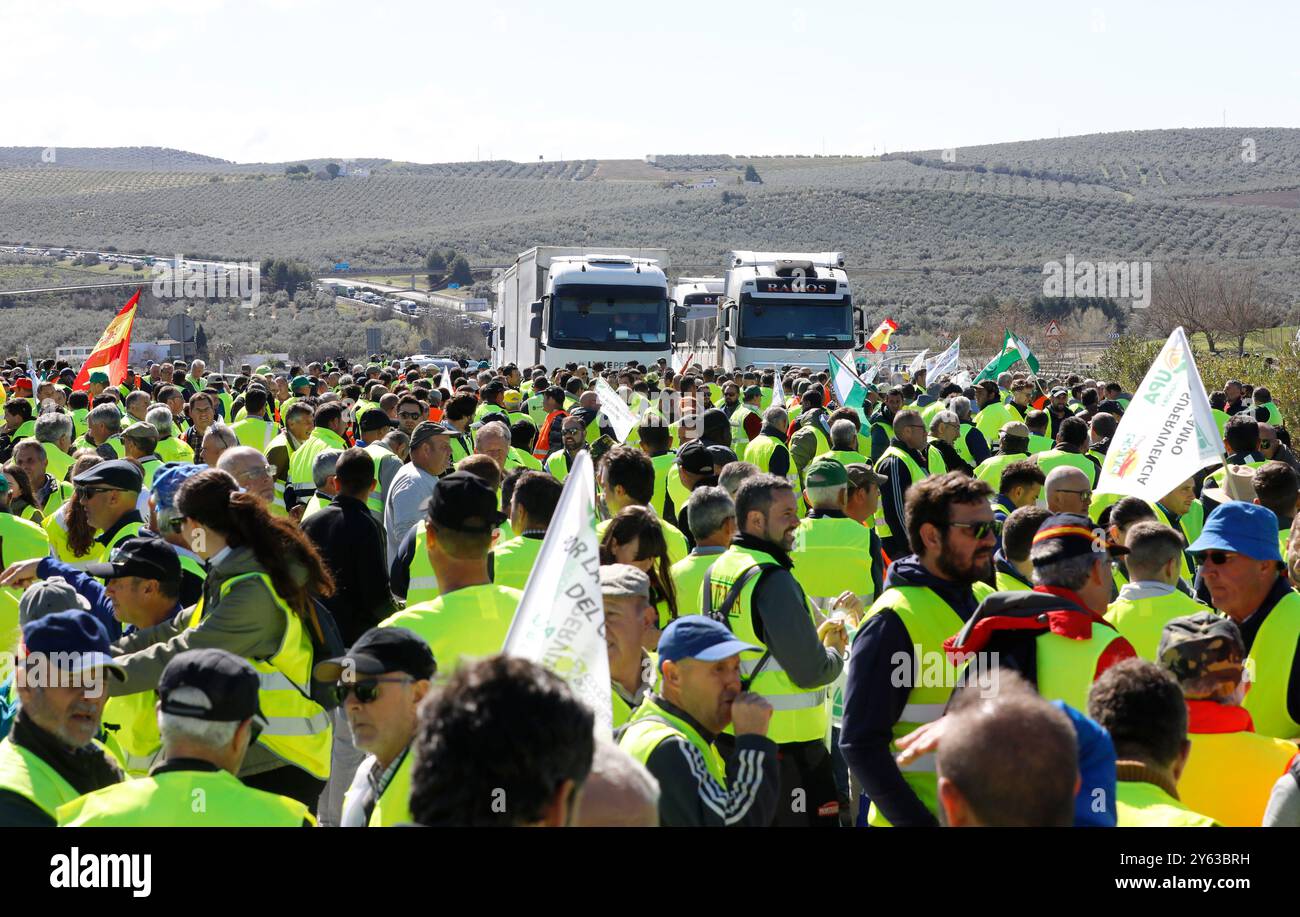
[[333, 169], [297, 170], [435, 265], [460, 272], [201, 343], [751, 174]]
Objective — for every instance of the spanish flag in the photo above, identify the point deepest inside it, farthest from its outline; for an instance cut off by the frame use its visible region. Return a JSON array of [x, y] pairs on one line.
[[114, 347], [879, 340]]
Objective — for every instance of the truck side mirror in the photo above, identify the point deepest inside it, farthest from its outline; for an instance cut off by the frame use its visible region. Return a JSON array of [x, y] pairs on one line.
[[536, 307], [503, 334], [535, 326]]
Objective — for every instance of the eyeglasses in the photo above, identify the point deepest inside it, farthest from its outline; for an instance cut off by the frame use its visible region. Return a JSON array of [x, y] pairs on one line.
[[87, 492], [367, 691], [1215, 558], [980, 530], [409, 415], [1085, 494]]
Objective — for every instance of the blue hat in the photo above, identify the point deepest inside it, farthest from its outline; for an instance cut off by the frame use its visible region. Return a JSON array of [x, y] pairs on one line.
[[698, 637], [168, 479], [1244, 528], [78, 636]]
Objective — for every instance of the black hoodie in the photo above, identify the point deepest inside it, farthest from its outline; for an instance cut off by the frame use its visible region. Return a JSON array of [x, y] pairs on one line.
[[873, 703]]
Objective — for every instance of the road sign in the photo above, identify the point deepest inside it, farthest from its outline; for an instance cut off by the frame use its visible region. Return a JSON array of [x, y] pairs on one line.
[[1053, 330], [181, 328], [1055, 346], [374, 340]]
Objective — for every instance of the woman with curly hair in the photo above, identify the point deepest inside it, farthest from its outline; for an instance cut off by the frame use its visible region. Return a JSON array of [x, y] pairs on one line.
[[263, 574]]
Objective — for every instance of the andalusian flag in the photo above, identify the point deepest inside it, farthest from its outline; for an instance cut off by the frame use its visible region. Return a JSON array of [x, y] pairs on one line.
[[879, 340], [114, 348], [850, 391], [1013, 351]]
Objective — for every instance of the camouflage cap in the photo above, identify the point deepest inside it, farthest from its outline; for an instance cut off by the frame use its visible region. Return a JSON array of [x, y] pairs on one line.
[[1203, 646]]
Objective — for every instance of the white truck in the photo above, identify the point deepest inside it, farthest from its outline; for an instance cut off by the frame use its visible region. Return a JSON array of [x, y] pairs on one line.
[[695, 335], [559, 305], [783, 308]]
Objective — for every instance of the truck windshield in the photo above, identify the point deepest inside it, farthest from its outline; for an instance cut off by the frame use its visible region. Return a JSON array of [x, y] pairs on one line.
[[607, 317], [786, 322]]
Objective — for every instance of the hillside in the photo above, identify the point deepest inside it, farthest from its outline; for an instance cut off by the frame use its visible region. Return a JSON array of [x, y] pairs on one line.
[[926, 233]]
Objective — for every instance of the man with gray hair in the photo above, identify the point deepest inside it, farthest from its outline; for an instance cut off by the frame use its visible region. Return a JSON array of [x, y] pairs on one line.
[[208, 715], [169, 448], [733, 474], [140, 441], [710, 513], [103, 426], [630, 620], [249, 467], [844, 443], [971, 444], [943, 455], [327, 485], [1054, 636], [217, 438], [768, 450], [1151, 598], [137, 404]]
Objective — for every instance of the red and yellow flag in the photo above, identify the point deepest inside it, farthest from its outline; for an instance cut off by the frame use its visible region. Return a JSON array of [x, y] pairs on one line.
[[879, 340], [114, 348]]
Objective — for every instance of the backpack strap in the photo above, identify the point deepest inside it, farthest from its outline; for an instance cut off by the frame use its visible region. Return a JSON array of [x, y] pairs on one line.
[[723, 611]]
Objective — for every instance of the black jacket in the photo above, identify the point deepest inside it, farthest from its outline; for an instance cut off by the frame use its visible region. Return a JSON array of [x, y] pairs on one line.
[[352, 545], [86, 770]]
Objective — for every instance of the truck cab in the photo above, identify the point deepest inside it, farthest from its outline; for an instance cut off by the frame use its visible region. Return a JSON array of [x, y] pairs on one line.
[[696, 331], [783, 308]]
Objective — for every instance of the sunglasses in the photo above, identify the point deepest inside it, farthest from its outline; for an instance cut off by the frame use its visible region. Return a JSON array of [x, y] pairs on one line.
[[366, 691], [1086, 494], [980, 530], [408, 415], [88, 492], [1216, 558]]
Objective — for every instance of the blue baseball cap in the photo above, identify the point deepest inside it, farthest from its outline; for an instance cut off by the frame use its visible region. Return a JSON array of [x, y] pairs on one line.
[[79, 638], [168, 479], [1244, 528], [698, 637]]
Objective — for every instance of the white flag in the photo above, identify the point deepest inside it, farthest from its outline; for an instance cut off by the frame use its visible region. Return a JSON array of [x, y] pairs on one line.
[[778, 394], [945, 363], [618, 414], [560, 623], [1168, 433], [918, 362]]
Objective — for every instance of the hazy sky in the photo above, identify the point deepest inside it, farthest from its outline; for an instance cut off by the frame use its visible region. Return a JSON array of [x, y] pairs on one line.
[[279, 80]]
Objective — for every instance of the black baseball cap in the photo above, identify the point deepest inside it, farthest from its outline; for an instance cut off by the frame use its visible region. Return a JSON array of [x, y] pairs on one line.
[[380, 650], [462, 502], [696, 458], [220, 687], [119, 474], [147, 557]]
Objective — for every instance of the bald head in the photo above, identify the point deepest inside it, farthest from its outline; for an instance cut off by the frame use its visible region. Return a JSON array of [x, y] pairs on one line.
[[248, 466], [619, 793], [589, 400], [1068, 491]]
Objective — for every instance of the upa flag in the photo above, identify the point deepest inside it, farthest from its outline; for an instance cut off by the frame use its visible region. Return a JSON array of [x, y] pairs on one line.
[[945, 363], [616, 411], [879, 340], [1013, 351], [849, 389], [918, 363], [560, 623], [114, 348], [1168, 432]]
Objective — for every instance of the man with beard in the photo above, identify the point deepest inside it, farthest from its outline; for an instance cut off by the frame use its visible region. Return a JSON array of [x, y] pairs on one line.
[[897, 652], [750, 589]]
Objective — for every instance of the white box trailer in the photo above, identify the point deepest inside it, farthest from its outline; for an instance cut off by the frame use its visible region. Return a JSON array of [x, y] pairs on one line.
[[558, 305]]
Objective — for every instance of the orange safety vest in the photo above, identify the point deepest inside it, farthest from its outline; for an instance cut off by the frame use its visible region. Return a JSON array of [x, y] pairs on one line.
[[544, 435]]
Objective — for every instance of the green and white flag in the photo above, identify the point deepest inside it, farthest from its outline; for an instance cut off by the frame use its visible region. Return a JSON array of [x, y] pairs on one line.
[[1013, 351], [849, 389], [1167, 434]]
